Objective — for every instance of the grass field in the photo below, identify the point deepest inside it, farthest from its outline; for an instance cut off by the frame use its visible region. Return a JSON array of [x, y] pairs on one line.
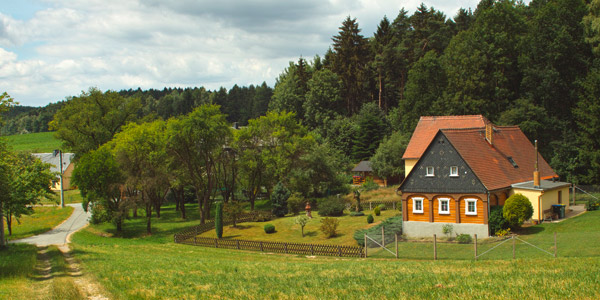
[[71, 196], [43, 219], [153, 267], [33, 142]]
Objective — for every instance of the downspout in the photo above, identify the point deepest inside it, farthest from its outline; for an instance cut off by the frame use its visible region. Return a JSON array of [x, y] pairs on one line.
[[488, 213], [540, 206]]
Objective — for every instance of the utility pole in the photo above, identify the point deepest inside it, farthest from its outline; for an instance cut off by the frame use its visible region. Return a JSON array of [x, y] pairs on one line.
[[62, 194]]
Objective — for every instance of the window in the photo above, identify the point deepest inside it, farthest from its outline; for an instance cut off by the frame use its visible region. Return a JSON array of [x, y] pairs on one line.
[[417, 205], [444, 206], [471, 207], [429, 171], [454, 171]]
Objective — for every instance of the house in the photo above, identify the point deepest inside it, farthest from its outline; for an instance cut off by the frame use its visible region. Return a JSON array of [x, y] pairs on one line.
[[54, 160], [463, 172], [362, 171]]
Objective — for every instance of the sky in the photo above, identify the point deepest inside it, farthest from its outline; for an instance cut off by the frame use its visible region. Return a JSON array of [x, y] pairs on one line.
[[54, 49]]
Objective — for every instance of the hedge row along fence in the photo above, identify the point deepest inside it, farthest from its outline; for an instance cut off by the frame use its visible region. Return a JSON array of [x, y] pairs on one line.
[[370, 205], [189, 236]]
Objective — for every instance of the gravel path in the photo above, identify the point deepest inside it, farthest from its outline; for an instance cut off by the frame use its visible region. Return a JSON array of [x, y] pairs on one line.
[[59, 235]]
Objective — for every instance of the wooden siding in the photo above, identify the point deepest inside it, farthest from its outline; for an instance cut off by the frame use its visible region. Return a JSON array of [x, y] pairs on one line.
[[424, 217], [479, 218], [450, 218]]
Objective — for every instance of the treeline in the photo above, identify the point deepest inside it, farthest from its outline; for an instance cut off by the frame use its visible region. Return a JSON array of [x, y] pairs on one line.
[[533, 65], [239, 104]]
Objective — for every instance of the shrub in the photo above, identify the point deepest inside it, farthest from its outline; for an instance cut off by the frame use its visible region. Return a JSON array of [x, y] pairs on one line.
[[233, 210], [357, 214], [503, 232], [329, 226], [464, 238], [369, 184], [447, 229], [269, 228], [517, 209], [370, 219], [99, 214], [377, 211], [592, 204], [332, 207], [381, 207], [279, 200], [295, 203], [219, 219], [497, 222], [261, 217], [392, 227]]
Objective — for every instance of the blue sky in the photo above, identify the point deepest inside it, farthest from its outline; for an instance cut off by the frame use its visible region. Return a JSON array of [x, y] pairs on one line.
[[53, 49]]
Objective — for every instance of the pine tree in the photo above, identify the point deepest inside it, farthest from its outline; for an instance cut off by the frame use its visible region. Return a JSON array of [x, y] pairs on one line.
[[279, 200], [219, 219]]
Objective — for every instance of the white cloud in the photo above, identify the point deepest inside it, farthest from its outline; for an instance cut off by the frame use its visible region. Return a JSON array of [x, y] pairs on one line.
[[71, 45]]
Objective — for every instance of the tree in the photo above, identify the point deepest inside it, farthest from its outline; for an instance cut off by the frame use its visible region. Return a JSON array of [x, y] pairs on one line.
[[6, 102], [233, 210], [92, 119], [372, 127], [219, 219], [323, 99], [517, 209], [101, 183], [290, 89], [279, 200], [141, 152], [592, 25], [195, 143], [387, 160], [586, 113], [302, 221], [29, 183]]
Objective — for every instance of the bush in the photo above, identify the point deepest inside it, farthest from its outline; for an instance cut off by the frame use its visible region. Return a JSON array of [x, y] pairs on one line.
[[329, 226], [392, 226], [262, 217], [302, 221], [370, 219], [369, 184], [219, 219], [279, 200], [331, 207], [464, 238], [503, 232], [99, 214], [447, 229], [377, 211], [592, 204], [497, 222], [517, 209], [233, 210], [269, 228], [381, 207], [357, 214], [295, 203]]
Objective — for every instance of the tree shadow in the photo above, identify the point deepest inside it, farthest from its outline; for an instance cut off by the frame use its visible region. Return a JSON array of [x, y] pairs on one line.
[[529, 230], [311, 233]]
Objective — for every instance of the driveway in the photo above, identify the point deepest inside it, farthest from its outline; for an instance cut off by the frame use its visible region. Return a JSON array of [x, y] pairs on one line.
[[59, 235]]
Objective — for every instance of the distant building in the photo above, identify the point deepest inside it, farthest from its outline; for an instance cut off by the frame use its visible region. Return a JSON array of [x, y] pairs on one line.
[[54, 160]]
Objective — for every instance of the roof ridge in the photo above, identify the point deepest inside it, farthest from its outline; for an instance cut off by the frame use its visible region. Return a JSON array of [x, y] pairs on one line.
[[454, 117]]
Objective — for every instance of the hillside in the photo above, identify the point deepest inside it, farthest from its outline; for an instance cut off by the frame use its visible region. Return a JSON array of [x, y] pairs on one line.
[[33, 142]]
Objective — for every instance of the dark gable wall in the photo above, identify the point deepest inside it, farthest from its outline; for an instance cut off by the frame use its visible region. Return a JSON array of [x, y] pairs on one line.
[[441, 155]]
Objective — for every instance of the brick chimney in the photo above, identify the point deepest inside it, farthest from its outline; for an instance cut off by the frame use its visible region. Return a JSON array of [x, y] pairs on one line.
[[489, 132], [536, 173]]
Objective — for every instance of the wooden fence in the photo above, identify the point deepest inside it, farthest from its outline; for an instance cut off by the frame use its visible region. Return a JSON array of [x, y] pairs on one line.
[[190, 236], [370, 205]]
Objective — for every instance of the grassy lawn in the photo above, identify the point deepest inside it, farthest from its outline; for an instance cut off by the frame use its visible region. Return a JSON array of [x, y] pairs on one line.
[[33, 142], [288, 231], [153, 267], [43, 219], [71, 196]]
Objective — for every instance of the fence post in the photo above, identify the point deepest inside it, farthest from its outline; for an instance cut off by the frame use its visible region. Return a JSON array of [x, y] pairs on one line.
[[339, 251], [382, 237], [370, 206], [237, 242], [394, 205], [365, 245], [312, 249], [286, 250], [195, 243], [261, 247], [434, 247], [475, 243], [396, 237], [555, 245], [514, 242]]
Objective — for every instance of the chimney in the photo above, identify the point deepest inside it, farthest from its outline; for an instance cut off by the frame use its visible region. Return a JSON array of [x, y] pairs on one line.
[[536, 173], [489, 131]]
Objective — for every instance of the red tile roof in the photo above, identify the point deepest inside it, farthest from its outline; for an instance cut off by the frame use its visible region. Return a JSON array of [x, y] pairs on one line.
[[490, 163], [429, 126]]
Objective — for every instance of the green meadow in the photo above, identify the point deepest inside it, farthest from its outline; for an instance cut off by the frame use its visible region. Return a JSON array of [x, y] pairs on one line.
[[138, 266], [43, 219], [33, 142]]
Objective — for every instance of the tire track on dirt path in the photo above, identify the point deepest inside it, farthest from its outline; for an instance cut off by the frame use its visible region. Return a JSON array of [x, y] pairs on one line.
[[84, 283]]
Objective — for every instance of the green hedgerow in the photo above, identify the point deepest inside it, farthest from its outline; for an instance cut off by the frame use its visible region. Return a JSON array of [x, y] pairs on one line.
[[464, 238], [269, 228], [517, 209], [331, 207]]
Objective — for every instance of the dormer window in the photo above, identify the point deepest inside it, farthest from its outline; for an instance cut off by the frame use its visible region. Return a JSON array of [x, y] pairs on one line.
[[454, 171], [429, 172]]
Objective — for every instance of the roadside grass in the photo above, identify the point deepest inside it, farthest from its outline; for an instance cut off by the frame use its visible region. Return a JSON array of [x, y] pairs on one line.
[[34, 142], [153, 267], [288, 231], [71, 196], [17, 264], [43, 219]]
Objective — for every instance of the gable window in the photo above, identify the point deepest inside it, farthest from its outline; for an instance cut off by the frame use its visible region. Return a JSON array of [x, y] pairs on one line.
[[454, 171], [417, 205], [470, 206], [444, 206], [429, 171]]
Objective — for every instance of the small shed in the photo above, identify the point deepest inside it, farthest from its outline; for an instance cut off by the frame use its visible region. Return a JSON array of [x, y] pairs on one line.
[[362, 171]]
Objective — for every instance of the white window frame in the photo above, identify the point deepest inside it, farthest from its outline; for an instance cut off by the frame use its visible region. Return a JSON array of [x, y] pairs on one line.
[[454, 174], [470, 200], [414, 200], [440, 211], [432, 174]]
